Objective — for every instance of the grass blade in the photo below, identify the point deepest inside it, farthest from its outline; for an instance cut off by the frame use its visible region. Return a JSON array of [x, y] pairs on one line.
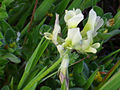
[[113, 83], [75, 4], [42, 10], [106, 57], [62, 6], [91, 79], [108, 75], [39, 77], [30, 63]]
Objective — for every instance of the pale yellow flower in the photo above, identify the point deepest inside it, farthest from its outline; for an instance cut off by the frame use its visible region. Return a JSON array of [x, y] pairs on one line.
[[73, 17], [83, 41]]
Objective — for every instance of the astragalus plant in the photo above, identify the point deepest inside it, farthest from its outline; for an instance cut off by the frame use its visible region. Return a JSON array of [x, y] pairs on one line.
[[77, 51], [80, 41]]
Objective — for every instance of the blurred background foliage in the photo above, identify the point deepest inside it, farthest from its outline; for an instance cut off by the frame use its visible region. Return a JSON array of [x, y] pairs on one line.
[[22, 24]]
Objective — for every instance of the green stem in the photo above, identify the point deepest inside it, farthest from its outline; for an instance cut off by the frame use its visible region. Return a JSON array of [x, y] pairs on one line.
[[48, 76]]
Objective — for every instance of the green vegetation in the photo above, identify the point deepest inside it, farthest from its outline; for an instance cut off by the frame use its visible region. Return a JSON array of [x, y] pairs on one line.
[[28, 61]]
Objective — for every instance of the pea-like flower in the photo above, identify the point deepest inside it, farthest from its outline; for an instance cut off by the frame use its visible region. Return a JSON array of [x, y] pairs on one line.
[[94, 23], [83, 41], [56, 31], [73, 39], [73, 18]]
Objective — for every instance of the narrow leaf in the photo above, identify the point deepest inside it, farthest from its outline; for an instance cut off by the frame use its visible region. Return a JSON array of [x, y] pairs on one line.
[[62, 6], [106, 57], [108, 75], [91, 79], [113, 83], [43, 9], [30, 63]]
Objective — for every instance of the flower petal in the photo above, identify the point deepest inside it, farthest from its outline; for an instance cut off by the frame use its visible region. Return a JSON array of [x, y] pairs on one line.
[[73, 18], [57, 30], [96, 45], [74, 21], [98, 24], [93, 50], [77, 11], [90, 23], [76, 40], [87, 42], [68, 15], [74, 36]]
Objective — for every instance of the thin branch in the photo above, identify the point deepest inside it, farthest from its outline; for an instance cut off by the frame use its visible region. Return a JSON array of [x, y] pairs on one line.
[[32, 15], [80, 60], [31, 20]]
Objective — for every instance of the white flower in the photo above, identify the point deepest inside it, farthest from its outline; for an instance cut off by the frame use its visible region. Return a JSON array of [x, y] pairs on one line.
[[56, 31], [73, 38], [94, 23], [73, 17], [80, 41], [75, 41], [89, 32], [87, 45], [83, 41]]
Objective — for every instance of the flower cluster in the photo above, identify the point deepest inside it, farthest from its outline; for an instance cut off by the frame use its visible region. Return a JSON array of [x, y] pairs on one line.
[[80, 41]]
